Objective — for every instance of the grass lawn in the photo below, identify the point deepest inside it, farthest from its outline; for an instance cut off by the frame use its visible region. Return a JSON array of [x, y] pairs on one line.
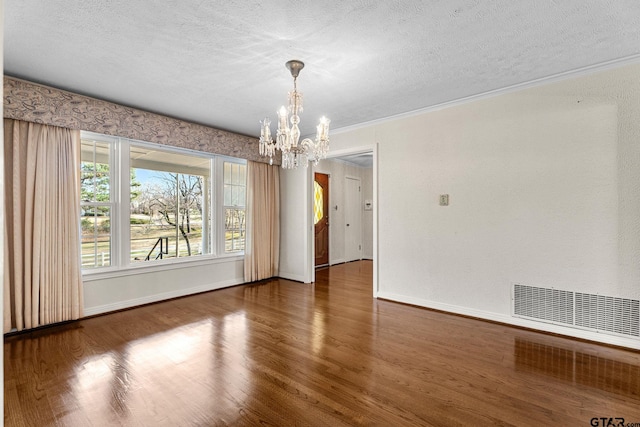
[[144, 235]]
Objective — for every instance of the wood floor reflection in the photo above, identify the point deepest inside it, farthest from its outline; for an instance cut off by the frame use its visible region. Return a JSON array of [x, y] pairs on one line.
[[283, 353]]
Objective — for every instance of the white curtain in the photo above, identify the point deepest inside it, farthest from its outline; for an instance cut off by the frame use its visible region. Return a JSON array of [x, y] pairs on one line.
[[42, 270], [262, 244]]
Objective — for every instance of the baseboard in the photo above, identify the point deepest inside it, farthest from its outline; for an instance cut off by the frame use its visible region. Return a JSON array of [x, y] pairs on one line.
[[336, 261], [514, 321], [292, 276], [120, 305]]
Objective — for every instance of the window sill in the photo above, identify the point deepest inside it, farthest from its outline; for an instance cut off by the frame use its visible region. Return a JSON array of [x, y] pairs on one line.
[[154, 266]]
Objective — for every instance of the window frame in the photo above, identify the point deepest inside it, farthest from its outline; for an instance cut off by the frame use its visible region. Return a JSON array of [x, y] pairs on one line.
[[120, 237], [113, 200], [219, 197], [208, 234]]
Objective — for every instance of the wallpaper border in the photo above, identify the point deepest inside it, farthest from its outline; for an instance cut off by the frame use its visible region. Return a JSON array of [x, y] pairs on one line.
[[32, 102]]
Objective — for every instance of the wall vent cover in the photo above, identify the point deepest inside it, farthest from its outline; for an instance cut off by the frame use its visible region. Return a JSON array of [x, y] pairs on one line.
[[543, 303], [613, 315]]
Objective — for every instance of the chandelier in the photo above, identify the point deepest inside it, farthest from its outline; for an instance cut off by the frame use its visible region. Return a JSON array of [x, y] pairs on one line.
[[294, 151]]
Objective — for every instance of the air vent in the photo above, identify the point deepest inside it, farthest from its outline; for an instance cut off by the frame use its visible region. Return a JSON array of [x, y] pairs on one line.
[[617, 315], [613, 315], [543, 303]]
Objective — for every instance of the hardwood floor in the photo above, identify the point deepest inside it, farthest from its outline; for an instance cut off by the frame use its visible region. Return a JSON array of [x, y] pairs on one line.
[[283, 353]]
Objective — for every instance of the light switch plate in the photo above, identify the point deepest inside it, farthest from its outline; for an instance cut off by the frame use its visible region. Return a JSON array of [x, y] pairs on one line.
[[444, 200]]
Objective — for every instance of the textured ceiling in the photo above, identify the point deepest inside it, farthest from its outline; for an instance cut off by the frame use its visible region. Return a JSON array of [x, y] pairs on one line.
[[364, 160], [222, 63]]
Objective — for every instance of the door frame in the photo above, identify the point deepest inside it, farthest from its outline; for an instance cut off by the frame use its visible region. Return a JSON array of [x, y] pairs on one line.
[[373, 148]]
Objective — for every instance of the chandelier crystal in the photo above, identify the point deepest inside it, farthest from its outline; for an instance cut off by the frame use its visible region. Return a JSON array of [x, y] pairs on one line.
[[294, 151]]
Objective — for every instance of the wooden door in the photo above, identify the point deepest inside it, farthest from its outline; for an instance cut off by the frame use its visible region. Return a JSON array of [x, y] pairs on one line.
[[321, 218]]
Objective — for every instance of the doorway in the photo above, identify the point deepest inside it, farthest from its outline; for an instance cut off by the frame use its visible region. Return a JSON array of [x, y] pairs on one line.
[[364, 157], [353, 219], [321, 218]]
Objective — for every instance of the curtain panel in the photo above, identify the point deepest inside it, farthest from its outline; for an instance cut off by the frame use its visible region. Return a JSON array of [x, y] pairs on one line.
[[262, 245], [42, 280]]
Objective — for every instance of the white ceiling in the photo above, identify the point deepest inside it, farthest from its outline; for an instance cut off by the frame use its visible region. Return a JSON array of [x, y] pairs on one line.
[[363, 160], [221, 63]]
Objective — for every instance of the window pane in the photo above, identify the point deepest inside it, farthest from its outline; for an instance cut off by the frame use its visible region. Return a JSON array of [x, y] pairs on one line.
[[243, 175], [234, 200], [95, 224], [166, 218], [95, 180], [235, 187], [318, 202], [87, 192], [242, 197], [95, 195], [227, 195], [236, 174], [234, 195], [234, 230], [167, 203], [227, 173]]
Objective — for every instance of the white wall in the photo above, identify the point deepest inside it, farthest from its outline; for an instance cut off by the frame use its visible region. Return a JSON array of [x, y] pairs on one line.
[[337, 171], [296, 225], [544, 190], [124, 289], [367, 215]]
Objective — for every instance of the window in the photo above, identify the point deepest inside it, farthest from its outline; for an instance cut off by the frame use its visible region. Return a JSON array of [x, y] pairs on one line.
[[235, 185], [318, 202], [96, 202], [142, 202], [169, 200]]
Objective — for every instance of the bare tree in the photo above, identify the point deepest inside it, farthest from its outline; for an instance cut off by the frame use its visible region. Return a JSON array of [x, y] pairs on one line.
[[176, 200]]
